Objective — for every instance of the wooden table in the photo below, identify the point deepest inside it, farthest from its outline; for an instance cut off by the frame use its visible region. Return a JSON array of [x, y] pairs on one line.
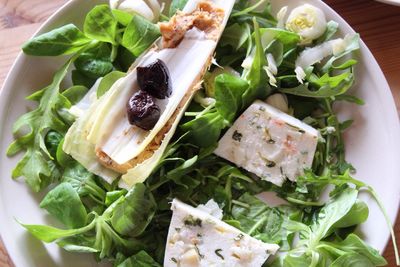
[[378, 24]]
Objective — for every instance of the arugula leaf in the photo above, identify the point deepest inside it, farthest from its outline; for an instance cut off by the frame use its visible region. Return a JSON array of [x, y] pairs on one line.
[[63, 202], [228, 94], [134, 213], [341, 84], [101, 25], [261, 221], [140, 35], [65, 40], [141, 259], [176, 5], [257, 77], [36, 165], [108, 81]]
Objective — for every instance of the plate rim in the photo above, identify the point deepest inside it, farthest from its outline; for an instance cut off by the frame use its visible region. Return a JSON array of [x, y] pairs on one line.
[[390, 2]]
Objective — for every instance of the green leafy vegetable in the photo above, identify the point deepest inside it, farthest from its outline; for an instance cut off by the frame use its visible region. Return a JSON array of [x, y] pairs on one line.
[[133, 214], [50, 234], [140, 35], [63, 202], [176, 5], [96, 62], [141, 259], [101, 25], [228, 95], [235, 36], [108, 81], [256, 76], [37, 166], [65, 40]]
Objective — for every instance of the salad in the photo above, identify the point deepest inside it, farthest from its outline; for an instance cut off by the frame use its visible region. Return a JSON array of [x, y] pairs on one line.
[[197, 133]]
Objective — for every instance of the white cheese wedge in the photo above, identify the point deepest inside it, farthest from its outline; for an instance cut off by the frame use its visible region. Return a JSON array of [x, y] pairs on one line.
[[196, 238], [269, 143]]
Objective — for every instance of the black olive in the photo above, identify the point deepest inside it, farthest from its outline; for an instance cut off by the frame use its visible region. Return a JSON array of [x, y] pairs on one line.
[[142, 110], [155, 79]]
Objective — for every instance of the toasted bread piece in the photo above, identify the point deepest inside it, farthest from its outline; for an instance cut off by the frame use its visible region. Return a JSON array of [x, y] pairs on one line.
[[206, 18]]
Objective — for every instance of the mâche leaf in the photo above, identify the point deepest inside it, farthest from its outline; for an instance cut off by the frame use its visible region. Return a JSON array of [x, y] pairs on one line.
[[228, 95], [139, 35], [64, 203], [132, 215], [65, 40], [101, 25]]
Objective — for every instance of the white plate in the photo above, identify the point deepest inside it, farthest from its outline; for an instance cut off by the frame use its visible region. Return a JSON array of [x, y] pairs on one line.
[[373, 145], [390, 2]]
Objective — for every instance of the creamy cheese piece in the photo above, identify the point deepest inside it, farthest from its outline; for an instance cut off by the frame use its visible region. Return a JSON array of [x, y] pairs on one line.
[[269, 143], [196, 238]]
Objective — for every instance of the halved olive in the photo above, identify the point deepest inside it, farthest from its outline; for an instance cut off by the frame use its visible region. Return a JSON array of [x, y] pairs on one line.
[[155, 79], [143, 111]]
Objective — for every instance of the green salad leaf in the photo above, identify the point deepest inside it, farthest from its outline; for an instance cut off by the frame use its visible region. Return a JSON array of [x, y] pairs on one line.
[[228, 95], [96, 62], [65, 40], [108, 81], [64, 203], [140, 35], [176, 5], [132, 215], [101, 25], [37, 166], [141, 259]]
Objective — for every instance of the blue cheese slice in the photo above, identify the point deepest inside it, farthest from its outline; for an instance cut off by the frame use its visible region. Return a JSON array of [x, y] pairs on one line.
[[269, 143], [197, 238]]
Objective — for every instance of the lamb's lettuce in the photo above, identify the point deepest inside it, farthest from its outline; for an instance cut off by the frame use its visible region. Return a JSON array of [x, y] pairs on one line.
[[100, 24], [65, 40], [141, 259], [64, 203], [139, 35]]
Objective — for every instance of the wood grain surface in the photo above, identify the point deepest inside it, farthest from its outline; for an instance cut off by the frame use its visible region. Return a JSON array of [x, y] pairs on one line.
[[378, 24]]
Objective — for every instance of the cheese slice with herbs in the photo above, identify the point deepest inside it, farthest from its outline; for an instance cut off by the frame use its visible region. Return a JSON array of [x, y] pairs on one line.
[[269, 143], [197, 238]]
